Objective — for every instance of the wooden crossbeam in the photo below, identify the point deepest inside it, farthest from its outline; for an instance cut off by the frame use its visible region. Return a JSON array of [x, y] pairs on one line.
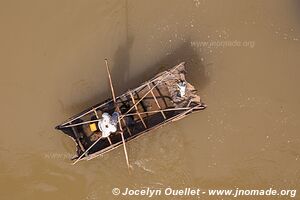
[[136, 108], [163, 114], [81, 123]]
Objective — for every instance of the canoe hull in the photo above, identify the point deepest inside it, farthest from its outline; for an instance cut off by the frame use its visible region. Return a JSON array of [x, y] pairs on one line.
[[151, 105]]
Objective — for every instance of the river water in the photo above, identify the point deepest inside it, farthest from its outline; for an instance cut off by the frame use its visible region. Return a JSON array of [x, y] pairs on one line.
[[242, 56]]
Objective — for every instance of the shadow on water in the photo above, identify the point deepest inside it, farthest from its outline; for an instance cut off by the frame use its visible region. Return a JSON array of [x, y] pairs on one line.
[[120, 71], [297, 8], [184, 53]]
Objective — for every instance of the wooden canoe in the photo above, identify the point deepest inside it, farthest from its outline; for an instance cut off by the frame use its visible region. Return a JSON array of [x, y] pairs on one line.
[[157, 103]]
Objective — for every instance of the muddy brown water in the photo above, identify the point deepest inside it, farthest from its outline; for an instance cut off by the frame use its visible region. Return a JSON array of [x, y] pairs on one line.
[[243, 57]]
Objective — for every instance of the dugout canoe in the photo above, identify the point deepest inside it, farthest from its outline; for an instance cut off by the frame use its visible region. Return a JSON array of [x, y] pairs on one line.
[[153, 104]]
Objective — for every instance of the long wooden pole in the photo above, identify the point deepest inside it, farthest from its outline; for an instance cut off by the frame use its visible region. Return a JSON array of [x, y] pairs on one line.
[[119, 111], [110, 81], [113, 94], [124, 146], [81, 123]]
